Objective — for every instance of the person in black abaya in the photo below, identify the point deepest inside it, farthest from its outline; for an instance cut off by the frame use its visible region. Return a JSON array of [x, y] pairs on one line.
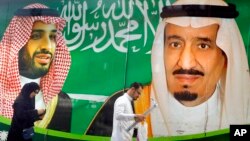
[[25, 113]]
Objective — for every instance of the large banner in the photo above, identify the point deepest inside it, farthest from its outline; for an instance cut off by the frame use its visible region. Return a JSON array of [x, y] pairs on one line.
[[110, 44]]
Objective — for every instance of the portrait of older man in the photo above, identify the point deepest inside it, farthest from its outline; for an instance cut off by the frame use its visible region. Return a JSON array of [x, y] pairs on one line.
[[200, 70]]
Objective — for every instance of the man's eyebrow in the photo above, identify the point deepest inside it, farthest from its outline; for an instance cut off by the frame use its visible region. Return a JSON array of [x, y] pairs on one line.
[[54, 30], [169, 37], [173, 37], [205, 39]]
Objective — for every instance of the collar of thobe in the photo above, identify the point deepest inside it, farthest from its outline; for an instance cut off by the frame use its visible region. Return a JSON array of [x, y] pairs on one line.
[[25, 80], [128, 96]]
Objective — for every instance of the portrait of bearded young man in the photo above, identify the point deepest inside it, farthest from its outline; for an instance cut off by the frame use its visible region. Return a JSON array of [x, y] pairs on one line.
[[33, 50]]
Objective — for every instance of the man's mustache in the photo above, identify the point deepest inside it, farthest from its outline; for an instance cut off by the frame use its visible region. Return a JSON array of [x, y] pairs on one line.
[[188, 71], [43, 51]]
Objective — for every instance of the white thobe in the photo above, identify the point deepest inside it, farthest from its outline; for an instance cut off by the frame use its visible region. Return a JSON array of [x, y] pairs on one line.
[[122, 119], [184, 120]]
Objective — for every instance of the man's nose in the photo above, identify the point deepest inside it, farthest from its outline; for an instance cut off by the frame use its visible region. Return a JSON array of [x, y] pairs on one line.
[[187, 58], [46, 44]]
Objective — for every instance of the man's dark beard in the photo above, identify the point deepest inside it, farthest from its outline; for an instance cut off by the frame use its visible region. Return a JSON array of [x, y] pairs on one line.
[[27, 66], [185, 96]]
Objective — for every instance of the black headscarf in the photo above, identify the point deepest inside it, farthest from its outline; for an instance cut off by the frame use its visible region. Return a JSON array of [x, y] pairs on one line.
[[28, 88], [24, 95]]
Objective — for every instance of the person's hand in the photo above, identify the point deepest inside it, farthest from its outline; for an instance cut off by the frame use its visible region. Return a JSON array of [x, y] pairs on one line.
[[41, 111], [139, 117]]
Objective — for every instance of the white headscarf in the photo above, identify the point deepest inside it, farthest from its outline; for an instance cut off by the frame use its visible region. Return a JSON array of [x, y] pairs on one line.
[[235, 84]]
